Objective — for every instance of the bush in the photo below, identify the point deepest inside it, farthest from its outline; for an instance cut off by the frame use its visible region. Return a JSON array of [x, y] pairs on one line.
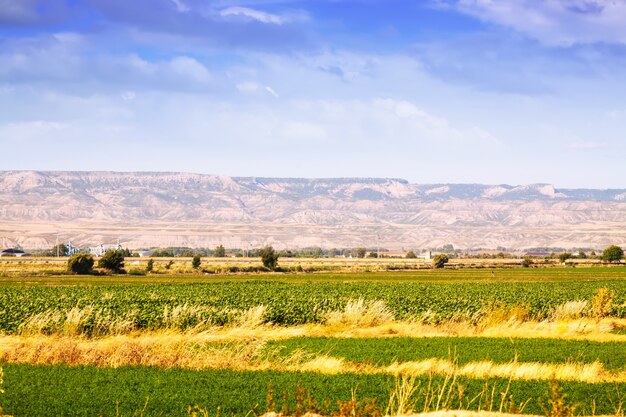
[[113, 260], [80, 263], [410, 255], [439, 261], [196, 261], [564, 257], [269, 257], [613, 254], [527, 262], [150, 266]]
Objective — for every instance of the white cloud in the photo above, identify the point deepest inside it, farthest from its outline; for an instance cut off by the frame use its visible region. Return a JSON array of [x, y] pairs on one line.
[[271, 91], [180, 6], [553, 22], [189, 67], [253, 14], [251, 87]]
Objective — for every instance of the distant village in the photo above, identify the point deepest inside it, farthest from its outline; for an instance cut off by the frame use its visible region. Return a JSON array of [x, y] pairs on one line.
[[68, 249]]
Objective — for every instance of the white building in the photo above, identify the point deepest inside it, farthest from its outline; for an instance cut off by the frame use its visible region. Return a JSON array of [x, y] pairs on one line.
[[102, 249]]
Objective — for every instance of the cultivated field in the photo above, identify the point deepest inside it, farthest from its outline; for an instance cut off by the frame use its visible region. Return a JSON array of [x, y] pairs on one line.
[[533, 341]]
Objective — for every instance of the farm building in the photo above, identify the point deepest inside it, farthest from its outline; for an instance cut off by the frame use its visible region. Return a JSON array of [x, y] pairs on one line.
[[13, 252]]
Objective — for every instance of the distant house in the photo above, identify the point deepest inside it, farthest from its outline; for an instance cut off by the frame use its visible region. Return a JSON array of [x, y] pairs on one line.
[[101, 249], [144, 253], [426, 255], [13, 252]]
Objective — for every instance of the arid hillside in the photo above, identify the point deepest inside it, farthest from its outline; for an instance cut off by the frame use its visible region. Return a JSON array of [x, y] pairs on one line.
[[146, 209]]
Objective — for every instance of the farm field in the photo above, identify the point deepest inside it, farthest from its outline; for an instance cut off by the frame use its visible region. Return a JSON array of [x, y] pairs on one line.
[[125, 345]]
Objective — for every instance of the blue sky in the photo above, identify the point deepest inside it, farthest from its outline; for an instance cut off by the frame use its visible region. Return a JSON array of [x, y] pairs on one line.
[[488, 91]]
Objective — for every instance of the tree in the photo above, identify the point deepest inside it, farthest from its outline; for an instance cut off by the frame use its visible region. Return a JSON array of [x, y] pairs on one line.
[[113, 260], [613, 254], [360, 252], [527, 262], [439, 261], [150, 265], [59, 250], [582, 255], [219, 252], [80, 263], [269, 257], [410, 255], [564, 257], [196, 261]]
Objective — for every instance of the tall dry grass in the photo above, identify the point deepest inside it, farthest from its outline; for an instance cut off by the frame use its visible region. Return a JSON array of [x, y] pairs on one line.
[[360, 313]]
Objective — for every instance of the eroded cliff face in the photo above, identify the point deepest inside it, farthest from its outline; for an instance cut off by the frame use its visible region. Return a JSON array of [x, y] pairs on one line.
[[145, 209]]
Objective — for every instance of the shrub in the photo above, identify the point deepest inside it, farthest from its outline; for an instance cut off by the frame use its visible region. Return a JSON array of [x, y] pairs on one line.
[[564, 257], [602, 303], [527, 262], [439, 261], [410, 255], [269, 257], [80, 263], [196, 261], [150, 266], [113, 260]]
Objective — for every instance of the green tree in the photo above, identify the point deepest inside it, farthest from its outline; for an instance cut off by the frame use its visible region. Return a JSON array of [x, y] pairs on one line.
[[582, 255], [527, 262], [59, 250], [113, 260], [80, 263], [564, 257], [150, 265], [439, 261], [196, 261], [410, 255], [360, 252], [269, 257], [219, 251], [613, 254]]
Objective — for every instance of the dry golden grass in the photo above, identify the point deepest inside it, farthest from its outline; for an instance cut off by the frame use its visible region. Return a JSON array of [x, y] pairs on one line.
[[198, 351], [360, 313]]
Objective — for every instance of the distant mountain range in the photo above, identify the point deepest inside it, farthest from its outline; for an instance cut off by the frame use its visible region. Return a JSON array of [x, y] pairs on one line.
[[148, 209]]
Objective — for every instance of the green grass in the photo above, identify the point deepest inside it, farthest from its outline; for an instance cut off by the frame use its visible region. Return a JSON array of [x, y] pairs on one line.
[[384, 351], [293, 303], [485, 275], [88, 391]]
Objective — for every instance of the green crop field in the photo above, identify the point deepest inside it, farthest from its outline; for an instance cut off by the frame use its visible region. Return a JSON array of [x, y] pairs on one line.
[[292, 303], [89, 391], [383, 351], [149, 304]]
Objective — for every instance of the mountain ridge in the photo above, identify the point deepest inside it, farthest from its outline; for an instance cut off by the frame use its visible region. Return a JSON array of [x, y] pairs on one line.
[[169, 208]]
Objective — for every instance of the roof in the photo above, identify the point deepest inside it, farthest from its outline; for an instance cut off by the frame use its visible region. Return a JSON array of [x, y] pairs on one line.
[[12, 250]]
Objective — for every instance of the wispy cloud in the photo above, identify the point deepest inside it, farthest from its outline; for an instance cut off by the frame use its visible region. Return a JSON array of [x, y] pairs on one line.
[[252, 14], [553, 22]]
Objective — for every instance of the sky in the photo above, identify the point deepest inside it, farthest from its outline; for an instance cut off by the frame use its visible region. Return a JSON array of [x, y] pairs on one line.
[[432, 91]]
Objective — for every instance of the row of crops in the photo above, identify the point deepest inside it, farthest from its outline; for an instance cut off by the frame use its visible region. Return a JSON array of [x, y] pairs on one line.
[[460, 350], [153, 306], [90, 391]]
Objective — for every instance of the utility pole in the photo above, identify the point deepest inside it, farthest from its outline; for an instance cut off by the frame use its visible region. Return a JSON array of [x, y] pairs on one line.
[[57, 245]]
